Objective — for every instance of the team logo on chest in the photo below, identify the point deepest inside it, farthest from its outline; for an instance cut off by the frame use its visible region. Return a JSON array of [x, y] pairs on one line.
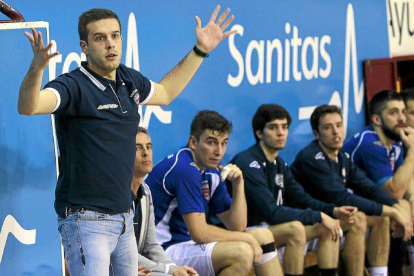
[[279, 180], [206, 190], [135, 94]]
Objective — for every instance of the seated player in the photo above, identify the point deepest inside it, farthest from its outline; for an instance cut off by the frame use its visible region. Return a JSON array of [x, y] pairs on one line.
[[271, 193], [378, 151], [327, 172], [152, 258], [188, 185]]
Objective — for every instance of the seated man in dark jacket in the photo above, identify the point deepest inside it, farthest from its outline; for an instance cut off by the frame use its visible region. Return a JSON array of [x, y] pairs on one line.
[[327, 173], [277, 202], [152, 258]]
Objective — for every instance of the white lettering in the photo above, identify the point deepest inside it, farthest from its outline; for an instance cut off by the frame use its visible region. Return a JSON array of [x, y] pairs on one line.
[[287, 54], [259, 48], [301, 64], [312, 42], [324, 73], [236, 81], [296, 42], [271, 45]]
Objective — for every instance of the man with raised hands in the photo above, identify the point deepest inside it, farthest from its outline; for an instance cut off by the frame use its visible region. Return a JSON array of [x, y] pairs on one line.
[[96, 111]]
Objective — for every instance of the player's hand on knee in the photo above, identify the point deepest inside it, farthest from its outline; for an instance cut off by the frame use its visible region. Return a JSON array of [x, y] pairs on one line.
[[333, 226], [404, 221], [257, 251]]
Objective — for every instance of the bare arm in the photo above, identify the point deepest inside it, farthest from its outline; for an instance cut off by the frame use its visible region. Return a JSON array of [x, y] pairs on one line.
[[400, 182], [31, 99], [207, 39], [235, 219], [401, 213], [409, 194]]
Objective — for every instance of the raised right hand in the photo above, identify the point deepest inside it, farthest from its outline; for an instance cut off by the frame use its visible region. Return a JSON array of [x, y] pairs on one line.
[[41, 54], [232, 173], [407, 136]]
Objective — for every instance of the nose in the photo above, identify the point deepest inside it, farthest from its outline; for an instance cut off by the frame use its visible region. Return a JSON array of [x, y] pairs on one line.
[[402, 117], [110, 43], [279, 131], [219, 150]]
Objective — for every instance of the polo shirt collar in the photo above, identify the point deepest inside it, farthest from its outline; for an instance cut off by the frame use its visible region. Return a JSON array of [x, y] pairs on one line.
[[100, 82]]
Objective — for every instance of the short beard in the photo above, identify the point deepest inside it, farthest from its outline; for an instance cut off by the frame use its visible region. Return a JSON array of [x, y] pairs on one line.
[[391, 134]]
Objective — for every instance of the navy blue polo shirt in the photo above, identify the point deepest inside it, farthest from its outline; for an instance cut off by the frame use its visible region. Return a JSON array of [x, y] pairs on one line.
[[96, 124]]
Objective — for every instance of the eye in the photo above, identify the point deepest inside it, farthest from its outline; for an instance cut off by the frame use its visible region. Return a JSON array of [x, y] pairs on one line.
[[149, 147], [115, 36], [100, 38]]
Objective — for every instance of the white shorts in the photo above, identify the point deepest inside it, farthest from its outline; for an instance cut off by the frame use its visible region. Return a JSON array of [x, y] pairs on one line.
[[197, 256]]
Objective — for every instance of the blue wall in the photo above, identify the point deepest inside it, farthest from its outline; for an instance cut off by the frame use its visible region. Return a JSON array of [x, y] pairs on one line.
[[320, 47]]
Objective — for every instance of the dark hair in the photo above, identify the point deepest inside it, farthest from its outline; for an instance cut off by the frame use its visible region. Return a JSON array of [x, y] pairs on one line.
[[378, 102], [321, 111], [92, 16], [407, 94], [207, 119], [143, 130], [267, 113]]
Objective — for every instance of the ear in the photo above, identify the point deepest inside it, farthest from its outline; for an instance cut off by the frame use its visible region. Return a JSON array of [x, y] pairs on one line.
[[84, 46], [376, 119], [316, 134], [192, 142], [259, 134]]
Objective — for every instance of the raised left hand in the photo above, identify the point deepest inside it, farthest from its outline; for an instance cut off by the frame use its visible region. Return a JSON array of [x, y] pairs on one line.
[[213, 33]]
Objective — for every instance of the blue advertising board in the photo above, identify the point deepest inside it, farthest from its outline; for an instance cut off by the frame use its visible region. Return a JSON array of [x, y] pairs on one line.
[[299, 54]]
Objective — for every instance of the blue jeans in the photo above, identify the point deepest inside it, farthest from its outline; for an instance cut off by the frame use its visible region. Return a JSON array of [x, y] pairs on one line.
[[97, 244]]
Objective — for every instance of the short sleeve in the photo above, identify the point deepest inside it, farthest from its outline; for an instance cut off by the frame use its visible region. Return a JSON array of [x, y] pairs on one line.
[[187, 189], [375, 162], [220, 201], [67, 94], [144, 87]]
